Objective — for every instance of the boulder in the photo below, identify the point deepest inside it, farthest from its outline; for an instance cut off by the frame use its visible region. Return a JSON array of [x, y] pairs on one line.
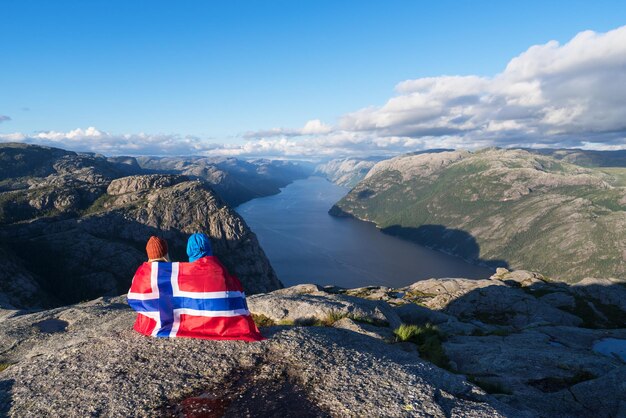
[[134, 184], [440, 292], [491, 302], [300, 289], [522, 278], [308, 308]]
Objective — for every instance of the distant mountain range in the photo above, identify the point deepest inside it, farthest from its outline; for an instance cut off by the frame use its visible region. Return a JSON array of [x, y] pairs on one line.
[[534, 210], [349, 171], [586, 158], [235, 180], [346, 172]]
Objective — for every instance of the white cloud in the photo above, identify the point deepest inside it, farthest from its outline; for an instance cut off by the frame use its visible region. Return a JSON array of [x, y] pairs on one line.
[[314, 127], [94, 140], [551, 95]]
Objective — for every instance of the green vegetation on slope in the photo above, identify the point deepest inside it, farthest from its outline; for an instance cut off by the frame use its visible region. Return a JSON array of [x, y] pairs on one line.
[[428, 340], [502, 207]]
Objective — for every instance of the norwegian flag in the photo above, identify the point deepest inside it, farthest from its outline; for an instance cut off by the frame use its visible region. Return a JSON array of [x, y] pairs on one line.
[[196, 300]]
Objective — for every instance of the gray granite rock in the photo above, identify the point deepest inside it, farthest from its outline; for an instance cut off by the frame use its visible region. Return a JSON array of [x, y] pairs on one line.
[[97, 366], [559, 300], [492, 302], [133, 184], [542, 369], [305, 308], [98, 253], [609, 292]]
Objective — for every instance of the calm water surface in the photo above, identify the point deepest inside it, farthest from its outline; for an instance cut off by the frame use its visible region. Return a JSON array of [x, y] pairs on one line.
[[307, 245]]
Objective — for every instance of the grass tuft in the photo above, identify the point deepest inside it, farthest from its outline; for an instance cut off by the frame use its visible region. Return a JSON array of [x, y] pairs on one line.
[[331, 317], [328, 320], [262, 321], [428, 340], [3, 366]]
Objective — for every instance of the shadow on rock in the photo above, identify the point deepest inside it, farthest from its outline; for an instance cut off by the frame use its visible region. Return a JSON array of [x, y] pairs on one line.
[[262, 391], [75, 260], [5, 396], [52, 325], [551, 348], [452, 241]]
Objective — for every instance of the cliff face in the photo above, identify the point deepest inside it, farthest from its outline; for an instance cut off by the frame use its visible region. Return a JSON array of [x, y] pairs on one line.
[[96, 253], [501, 207], [74, 227]]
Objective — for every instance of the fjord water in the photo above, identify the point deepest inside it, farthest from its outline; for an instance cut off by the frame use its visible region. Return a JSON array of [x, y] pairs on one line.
[[306, 245]]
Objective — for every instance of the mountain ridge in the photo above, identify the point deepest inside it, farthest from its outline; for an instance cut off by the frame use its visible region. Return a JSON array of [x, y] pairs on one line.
[[74, 226], [529, 210]]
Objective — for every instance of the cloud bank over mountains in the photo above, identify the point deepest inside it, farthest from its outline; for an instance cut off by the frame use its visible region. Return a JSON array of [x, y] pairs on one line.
[[551, 95]]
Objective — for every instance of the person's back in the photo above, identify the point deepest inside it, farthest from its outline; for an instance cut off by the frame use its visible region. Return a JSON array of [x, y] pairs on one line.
[[199, 299]]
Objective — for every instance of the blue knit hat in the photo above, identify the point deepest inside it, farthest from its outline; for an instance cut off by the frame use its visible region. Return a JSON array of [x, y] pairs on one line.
[[198, 246]]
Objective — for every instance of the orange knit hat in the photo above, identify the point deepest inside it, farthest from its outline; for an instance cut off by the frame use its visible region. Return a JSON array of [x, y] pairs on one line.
[[156, 248]]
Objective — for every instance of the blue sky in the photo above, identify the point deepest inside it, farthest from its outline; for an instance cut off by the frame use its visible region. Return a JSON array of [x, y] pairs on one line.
[[218, 70]]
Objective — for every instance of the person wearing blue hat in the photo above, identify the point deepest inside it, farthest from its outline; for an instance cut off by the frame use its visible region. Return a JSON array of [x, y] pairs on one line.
[[198, 246]]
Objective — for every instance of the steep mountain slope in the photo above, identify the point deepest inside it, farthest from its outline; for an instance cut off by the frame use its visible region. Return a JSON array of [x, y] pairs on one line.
[[348, 172], [501, 207], [73, 228]]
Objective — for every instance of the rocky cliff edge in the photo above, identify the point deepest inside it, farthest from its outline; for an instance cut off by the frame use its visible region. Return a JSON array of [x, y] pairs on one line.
[[513, 345]]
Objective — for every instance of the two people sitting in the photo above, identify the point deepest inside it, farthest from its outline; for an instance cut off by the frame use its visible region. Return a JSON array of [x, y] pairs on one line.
[[195, 299]]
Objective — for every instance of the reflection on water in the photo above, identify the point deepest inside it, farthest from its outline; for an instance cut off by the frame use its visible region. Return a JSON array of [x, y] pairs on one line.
[[306, 245]]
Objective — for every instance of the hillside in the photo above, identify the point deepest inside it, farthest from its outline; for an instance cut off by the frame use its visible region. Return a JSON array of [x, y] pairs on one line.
[[74, 227], [503, 208], [348, 172], [236, 181]]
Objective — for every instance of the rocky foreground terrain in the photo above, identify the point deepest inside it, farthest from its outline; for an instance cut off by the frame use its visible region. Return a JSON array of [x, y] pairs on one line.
[[513, 345], [74, 227], [502, 208]]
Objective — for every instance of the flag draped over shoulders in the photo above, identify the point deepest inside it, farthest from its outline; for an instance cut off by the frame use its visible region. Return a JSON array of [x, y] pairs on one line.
[[195, 300]]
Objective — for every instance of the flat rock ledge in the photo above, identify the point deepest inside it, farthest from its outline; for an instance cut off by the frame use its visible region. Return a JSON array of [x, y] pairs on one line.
[[509, 350]]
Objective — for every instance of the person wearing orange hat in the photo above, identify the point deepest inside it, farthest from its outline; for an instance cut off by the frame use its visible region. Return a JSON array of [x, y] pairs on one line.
[[157, 250]]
